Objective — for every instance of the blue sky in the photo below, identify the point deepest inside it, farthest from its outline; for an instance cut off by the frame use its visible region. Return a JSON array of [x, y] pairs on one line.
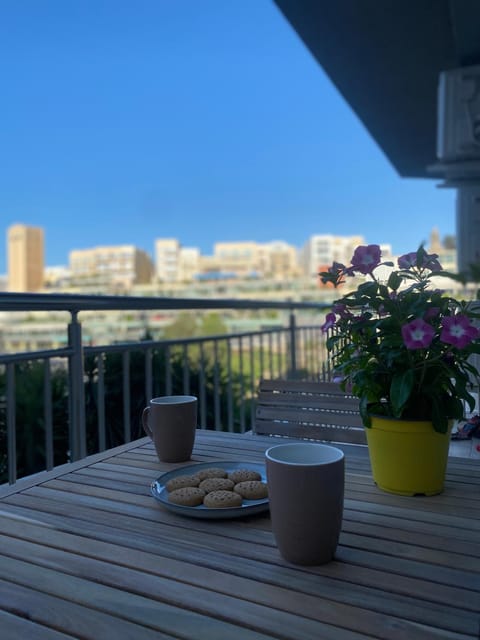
[[205, 120]]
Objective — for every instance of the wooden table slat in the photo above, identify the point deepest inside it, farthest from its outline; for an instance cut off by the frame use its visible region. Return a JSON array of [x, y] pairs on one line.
[[14, 627]]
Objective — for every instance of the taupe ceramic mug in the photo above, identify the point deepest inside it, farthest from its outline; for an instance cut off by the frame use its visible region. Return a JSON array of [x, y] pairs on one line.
[[171, 422], [306, 488]]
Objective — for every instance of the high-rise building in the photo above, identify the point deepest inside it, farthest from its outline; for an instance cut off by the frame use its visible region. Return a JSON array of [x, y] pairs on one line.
[[280, 260], [321, 251], [241, 259], [118, 267], [447, 252], [167, 259], [25, 248], [174, 263], [188, 263]]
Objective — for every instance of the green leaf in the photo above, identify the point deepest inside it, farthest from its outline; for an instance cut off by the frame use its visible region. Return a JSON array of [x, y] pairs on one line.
[[458, 277], [470, 401], [454, 407], [367, 421], [367, 289], [400, 390], [439, 415], [394, 281]]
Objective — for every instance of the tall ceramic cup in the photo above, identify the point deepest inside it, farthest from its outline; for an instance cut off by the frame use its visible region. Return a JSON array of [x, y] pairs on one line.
[[305, 489], [171, 421]]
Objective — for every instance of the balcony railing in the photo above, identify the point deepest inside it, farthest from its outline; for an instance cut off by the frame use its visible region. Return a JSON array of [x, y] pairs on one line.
[[59, 405]]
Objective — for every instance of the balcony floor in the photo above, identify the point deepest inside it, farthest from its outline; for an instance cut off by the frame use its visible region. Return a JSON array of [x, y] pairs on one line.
[[465, 448]]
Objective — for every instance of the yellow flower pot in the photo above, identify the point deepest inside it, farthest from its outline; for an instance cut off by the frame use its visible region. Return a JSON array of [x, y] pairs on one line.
[[407, 457]]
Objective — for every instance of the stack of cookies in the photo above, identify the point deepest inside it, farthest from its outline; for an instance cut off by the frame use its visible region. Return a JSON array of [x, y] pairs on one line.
[[216, 488]]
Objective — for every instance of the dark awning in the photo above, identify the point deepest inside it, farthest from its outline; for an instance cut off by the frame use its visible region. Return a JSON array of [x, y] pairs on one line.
[[385, 56]]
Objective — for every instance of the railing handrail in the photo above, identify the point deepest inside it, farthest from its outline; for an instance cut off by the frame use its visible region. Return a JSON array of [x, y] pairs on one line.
[[75, 303]]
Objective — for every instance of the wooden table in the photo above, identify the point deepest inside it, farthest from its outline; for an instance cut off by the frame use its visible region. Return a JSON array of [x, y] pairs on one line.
[[86, 552]]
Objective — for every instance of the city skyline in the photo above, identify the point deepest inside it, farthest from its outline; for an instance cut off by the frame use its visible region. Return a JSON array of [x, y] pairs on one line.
[[152, 255], [207, 122]]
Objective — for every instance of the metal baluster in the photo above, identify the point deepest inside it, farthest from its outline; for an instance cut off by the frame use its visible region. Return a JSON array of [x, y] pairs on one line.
[[127, 429], [11, 430], [216, 387], [252, 380], [229, 387], [168, 371], [242, 385], [279, 353], [186, 371], [77, 430], [148, 375], [48, 414], [270, 354], [102, 441], [202, 389], [293, 346], [260, 337]]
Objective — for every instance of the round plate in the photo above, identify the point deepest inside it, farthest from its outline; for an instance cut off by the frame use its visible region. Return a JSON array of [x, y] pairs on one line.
[[248, 508]]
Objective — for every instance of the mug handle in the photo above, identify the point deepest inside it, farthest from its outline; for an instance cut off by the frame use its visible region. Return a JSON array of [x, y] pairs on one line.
[[145, 414]]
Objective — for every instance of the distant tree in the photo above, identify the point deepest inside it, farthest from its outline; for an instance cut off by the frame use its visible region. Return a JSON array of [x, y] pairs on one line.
[[184, 326], [211, 325]]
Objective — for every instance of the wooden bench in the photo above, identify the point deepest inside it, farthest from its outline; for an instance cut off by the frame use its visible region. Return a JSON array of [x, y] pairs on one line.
[[313, 410]]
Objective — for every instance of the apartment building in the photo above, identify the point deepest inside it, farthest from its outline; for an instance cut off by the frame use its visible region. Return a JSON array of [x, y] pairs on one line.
[[447, 251], [321, 251], [241, 259], [56, 277], [112, 267], [25, 248], [174, 263], [188, 263], [277, 259], [167, 259]]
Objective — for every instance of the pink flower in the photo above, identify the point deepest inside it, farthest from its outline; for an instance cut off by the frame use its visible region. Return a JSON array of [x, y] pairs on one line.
[[408, 260], [417, 334], [366, 258], [458, 331], [329, 322], [430, 261]]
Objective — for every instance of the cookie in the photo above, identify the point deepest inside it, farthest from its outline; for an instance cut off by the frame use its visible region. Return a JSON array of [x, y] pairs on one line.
[[182, 481], [251, 489], [241, 475], [222, 499], [187, 496], [216, 484], [212, 472]]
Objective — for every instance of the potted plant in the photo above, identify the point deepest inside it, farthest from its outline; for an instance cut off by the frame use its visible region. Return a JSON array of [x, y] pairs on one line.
[[403, 347]]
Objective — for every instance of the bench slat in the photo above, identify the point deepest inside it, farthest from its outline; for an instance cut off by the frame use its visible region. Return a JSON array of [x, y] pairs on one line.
[[305, 409]]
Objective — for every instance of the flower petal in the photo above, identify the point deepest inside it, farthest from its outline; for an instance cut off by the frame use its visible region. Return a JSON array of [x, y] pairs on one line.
[[366, 258], [330, 319], [458, 331], [417, 334]]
